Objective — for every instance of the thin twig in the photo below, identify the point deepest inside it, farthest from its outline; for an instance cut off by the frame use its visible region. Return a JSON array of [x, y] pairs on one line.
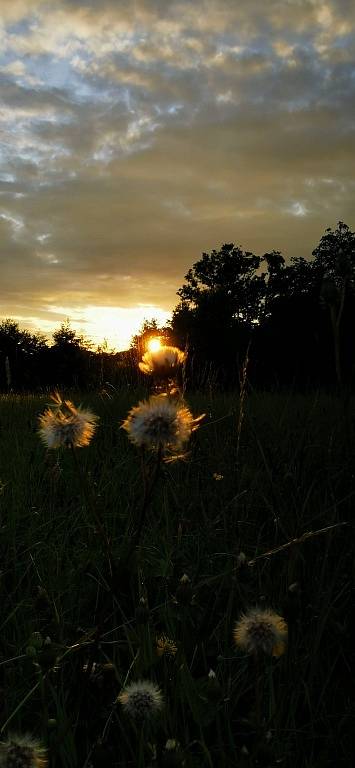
[[298, 540]]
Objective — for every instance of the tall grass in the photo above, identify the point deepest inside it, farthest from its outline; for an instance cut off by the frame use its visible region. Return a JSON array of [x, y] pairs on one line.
[[248, 488]]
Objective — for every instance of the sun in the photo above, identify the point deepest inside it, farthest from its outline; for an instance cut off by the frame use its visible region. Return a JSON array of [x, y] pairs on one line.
[[154, 344]]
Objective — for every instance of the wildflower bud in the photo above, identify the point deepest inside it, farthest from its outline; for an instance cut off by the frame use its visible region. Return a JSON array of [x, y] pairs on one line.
[[172, 756], [142, 612], [166, 646], [213, 690], [184, 591]]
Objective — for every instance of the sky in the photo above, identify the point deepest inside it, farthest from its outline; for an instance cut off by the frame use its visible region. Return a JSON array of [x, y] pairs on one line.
[[134, 136]]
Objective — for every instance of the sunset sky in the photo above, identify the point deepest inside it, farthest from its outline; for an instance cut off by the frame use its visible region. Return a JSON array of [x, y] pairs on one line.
[[136, 135]]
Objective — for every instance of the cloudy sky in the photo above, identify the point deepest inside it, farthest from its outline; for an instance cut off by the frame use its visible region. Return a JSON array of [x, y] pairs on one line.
[[136, 135]]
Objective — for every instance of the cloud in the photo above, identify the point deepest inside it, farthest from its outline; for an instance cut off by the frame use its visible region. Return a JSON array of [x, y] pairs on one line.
[[137, 135]]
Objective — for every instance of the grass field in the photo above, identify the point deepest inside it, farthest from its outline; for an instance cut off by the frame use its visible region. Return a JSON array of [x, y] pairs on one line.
[[289, 472]]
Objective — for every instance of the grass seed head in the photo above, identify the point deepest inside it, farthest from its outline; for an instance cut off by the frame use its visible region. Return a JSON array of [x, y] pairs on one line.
[[22, 752], [141, 700], [261, 630], [65, 426]]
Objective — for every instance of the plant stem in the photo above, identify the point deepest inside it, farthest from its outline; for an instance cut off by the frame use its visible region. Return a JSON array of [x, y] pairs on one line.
[[91, 505], [148, 490]]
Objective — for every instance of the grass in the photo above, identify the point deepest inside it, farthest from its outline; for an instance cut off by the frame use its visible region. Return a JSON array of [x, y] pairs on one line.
[[290, 472]]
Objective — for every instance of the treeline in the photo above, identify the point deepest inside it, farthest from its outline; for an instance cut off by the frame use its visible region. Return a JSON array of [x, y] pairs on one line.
[[292, 325], [283, 325], [29, 363]]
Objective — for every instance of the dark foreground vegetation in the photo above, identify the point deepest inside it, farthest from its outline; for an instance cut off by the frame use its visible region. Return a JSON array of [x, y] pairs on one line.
[[262, 472]]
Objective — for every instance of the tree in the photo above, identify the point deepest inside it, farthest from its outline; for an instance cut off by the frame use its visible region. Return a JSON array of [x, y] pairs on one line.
[[335, 255], [335, 259], [221, 301], [231, 275], [71, 357], [20, 355], [67, 338]]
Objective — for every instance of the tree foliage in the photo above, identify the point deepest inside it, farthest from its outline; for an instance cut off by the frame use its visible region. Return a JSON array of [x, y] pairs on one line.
[[232, 298]]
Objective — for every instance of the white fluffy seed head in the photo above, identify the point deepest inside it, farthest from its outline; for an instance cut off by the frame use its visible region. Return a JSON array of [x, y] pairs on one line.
[[261, 630], [64, 425], [163, 361], [160, 423], [141, 700], [22, 752]]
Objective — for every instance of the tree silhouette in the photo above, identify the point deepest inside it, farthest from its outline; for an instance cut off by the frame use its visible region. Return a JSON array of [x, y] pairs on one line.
[[231, 296], [221, 300], [231, 275], [70, 357], [335, 261], [20, 351]]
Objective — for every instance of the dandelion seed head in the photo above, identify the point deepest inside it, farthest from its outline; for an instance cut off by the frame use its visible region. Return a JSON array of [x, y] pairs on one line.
[[160, 423], [162, 360], [64, 425], [22, 752], [261, 630], [141, 700]]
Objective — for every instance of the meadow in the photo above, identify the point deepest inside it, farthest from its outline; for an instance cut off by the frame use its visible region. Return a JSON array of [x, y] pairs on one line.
[[257, 514]]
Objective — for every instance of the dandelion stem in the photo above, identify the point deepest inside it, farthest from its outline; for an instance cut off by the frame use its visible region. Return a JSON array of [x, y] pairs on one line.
[[90, 504], [148, 490], [258, 686]]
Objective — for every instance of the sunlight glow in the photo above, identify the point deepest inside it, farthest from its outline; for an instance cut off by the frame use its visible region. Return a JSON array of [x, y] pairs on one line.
[[98, 323], [154, 344]]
